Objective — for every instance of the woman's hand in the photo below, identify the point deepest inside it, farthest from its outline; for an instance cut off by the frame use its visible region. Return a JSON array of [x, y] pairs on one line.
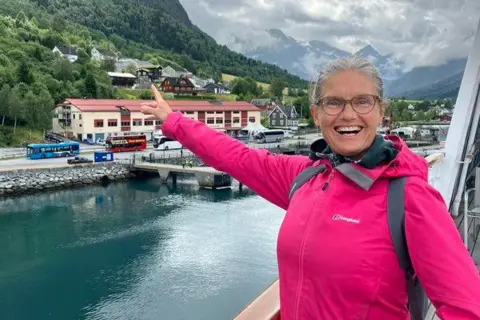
[[160, 109]]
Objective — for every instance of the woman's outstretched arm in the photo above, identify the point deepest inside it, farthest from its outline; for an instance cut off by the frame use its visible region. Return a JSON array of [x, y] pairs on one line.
[[267, 174]]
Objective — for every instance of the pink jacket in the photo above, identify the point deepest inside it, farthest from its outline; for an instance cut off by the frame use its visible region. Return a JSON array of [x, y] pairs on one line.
[[347, 268]]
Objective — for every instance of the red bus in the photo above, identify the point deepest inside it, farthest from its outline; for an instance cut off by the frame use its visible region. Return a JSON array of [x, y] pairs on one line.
[[126, 143]]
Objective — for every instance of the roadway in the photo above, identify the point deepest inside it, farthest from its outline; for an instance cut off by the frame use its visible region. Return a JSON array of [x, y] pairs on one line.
[[23, 162], [18, 152]]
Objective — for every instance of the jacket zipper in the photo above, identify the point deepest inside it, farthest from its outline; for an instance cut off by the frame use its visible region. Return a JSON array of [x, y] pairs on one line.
[[330, 177], [302, 250]]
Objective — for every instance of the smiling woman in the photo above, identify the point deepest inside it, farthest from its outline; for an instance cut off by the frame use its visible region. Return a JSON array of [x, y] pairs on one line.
[[347, 105], [336, 257]]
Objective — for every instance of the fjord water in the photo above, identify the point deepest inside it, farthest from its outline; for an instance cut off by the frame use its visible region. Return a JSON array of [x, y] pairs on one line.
[[135, 250]]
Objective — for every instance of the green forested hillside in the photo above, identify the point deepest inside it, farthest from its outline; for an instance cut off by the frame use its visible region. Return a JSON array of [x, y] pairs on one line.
[[33, 79], [134, 27]]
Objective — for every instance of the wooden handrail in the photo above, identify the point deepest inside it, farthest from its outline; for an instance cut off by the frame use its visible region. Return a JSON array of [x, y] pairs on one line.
[[435, 158], [267, 305]]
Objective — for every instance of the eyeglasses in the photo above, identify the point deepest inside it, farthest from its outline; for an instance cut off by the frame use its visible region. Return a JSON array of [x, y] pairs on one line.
[[361, 104]]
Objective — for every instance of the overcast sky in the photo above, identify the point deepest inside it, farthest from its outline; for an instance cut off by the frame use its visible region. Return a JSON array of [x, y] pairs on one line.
[[419, 31]]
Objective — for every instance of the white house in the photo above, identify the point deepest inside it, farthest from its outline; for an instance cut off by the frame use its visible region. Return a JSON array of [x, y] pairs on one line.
[[174, 72], [100, 54], [68, 52]]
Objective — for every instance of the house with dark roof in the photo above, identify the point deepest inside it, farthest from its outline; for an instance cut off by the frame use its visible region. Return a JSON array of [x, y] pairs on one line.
[[152, 73], [216, 88], [122, 80], [283, 117], [66, 51], [100, 54], [266, 105], [178, 85]]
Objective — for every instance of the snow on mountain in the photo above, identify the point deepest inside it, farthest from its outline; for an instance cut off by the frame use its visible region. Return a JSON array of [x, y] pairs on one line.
[[305, 58]]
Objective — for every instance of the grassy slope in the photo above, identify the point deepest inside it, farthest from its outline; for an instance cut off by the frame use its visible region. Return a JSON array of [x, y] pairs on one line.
[[265, 86], [22, 135]]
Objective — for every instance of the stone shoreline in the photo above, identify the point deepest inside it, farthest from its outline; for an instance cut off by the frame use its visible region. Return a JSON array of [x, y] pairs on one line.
[[26, 181], [17, 182]]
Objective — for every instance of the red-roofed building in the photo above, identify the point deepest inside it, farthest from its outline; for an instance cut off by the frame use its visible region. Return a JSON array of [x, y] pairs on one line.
[[94, 119]]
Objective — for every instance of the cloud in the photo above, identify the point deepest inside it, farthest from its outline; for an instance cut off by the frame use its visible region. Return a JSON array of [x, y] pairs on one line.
[[421, 32]]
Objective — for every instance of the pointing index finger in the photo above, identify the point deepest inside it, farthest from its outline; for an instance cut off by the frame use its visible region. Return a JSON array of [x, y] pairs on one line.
[[157, 94]]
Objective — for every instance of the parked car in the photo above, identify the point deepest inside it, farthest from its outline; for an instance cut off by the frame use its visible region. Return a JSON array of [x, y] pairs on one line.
[[88, 141], [78, 160]]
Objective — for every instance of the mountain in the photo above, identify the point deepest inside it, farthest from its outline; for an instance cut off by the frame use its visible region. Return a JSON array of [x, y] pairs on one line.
[[159, 24], [442, 81], [390, 67], [299, 58], [305, 58], [444, 88]]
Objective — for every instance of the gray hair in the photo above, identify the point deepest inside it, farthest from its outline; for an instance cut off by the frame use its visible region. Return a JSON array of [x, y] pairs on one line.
[[343, 64]]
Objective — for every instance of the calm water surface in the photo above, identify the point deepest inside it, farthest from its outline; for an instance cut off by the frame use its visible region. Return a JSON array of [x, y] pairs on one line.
[[135, 250]]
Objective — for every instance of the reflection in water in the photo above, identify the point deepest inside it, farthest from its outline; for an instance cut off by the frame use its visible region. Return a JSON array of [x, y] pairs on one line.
[[135, 250]]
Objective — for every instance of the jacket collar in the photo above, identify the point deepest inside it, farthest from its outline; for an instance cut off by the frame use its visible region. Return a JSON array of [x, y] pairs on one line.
[[365, 171]]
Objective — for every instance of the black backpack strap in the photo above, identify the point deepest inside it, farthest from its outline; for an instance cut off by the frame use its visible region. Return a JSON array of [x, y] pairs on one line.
[[304, 176], [417, 302]]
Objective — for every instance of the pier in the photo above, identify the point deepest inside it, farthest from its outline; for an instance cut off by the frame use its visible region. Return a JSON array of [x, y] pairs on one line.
[[207, 177]]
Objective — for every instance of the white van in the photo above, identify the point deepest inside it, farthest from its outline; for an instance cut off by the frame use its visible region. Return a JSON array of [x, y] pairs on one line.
[[270, 136], [164, 143]]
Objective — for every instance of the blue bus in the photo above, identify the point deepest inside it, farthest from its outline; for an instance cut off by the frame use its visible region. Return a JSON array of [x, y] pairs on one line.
[[54, 150]]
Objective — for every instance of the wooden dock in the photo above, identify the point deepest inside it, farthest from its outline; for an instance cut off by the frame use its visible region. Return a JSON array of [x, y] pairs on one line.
[[207, 177], [152, 167]]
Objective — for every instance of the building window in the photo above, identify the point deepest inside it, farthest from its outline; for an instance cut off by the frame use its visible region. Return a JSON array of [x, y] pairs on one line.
[[219, 120], [125, 124], [236, 120], [219, 112], [228, 122], [210, 120], [149, 122], [158, 122], [80, 117], [112, 123], [74, 116], [251, 119], [210, 112], [274, 122], [190, 112], [137, 122], [236, 112], [98, 123]]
